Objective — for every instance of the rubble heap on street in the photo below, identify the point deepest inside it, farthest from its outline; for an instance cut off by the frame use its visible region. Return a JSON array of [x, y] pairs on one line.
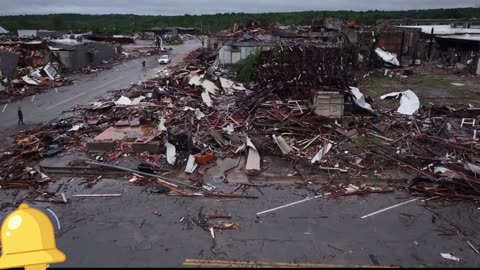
[[302, 109]]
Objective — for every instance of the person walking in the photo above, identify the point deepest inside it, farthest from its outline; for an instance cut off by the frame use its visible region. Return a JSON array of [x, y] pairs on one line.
[[20, 116], [144, 67]]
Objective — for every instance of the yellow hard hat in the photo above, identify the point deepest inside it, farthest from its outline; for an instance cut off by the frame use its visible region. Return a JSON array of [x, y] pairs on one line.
[[28, 239]]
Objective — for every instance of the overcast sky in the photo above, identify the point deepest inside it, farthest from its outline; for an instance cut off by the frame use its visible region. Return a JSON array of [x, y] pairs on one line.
[[180, 7]]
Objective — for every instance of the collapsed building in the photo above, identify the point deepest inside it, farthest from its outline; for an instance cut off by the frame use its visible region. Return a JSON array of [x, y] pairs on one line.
[[74, 55]]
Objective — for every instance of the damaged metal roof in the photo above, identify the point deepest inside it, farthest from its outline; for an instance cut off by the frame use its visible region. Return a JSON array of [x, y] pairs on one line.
[[444, 29], [468, 37]]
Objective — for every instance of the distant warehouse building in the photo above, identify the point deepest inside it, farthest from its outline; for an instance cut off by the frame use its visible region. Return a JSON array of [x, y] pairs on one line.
[[39, 34]]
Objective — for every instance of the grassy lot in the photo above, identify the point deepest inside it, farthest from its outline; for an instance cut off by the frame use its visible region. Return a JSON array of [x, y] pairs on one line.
[[433, 88]]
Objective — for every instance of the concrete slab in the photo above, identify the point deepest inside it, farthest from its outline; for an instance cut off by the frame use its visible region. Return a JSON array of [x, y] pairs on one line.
[[100, 146], [145, 147], [122, 133]]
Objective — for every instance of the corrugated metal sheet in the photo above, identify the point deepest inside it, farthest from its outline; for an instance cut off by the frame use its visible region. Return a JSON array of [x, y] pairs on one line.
[[443, 29], [463, 37]]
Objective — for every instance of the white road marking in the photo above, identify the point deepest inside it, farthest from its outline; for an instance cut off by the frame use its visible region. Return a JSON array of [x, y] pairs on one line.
[[115, 68], [56, 218], [390, 207], [81, 94], [290, 204], [4, 107], [125, 64], [33, 98]]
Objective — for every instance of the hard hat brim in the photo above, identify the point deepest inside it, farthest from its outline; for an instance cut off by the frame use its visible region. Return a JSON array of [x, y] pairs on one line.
[[16, 260]]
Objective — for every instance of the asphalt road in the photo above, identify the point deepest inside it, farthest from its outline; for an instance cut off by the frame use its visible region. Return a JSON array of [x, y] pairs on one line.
[[46, 106], [125, 231]]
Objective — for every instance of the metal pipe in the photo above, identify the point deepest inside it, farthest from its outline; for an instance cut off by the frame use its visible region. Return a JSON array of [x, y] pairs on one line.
[[139, 172]]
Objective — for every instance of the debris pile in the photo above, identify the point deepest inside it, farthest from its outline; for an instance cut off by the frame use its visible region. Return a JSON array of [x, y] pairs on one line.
[[194, 114]]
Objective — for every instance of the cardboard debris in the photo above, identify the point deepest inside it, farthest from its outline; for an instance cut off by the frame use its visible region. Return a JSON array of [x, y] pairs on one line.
[[253, 158]]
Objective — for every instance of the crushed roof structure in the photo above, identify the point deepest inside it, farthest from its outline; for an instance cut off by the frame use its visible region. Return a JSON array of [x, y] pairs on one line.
[[468, 37], [443, 29]]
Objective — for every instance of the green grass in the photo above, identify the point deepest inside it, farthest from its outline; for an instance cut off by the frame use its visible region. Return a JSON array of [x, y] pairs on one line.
[[379, 85], [176, 42], [247, 67], [430, 79]]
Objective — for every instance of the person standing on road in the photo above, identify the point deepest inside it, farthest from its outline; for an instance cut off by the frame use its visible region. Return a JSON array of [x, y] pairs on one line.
[[20, 116], [144, 68]]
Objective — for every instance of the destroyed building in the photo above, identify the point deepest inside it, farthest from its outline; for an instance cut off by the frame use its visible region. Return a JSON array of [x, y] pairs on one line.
[[234, 52], [8, 64], [40, 34], [450, 44], [74, 55]]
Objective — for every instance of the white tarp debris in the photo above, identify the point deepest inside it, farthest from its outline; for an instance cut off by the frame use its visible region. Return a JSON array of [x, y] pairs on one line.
[[206, 98], [457, 84], [123, 100], [137, 100], [323, 151], [409, 102], [360, 99], [199, 114], [171, 153], [229, 129], [387, 56], [253, 158], [162, 126], [449, 256], [29, 80], [77, 127], [191, 164], [471, 167], [282, 144]]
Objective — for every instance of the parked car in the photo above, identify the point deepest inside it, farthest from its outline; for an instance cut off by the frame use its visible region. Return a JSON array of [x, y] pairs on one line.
[[165, 59]]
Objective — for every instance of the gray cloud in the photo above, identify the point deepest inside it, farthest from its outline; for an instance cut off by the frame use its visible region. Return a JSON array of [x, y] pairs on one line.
[[180, 7]]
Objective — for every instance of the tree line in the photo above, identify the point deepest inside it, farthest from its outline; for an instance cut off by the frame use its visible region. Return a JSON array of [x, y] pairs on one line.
[[128, 23]]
